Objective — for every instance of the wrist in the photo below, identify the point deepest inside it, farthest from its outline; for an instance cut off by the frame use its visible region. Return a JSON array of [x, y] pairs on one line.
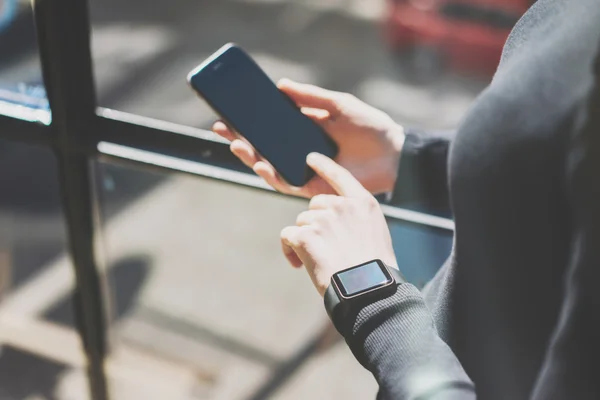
[[360, 285], [322, 276]]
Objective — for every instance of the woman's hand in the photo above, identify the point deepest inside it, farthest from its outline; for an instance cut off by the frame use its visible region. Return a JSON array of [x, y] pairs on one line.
[[369, 140], [338, 231]]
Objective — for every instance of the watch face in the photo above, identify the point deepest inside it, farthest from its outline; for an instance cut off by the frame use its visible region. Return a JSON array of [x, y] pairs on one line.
[[362, 278]]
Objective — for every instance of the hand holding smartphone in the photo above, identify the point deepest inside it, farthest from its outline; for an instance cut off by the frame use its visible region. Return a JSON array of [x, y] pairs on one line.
[[246, 99]]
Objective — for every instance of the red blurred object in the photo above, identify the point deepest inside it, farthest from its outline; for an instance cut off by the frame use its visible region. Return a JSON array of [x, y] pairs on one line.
[[464, 35]]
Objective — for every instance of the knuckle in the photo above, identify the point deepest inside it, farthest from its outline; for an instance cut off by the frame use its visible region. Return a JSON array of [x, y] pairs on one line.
[[338, 100], [342, 99], [324, 219], [314, 231], [315, 201], [371, 202], [301, 241], [340, 204], [304, 237], [318, 229], [367, 203], [332, 218], [334, 174], [284, 234], [289, 234], [356, 205], [302, 217], [349, 98]]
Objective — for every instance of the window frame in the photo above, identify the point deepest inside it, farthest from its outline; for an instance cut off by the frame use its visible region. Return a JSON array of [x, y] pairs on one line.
[[79, 132]]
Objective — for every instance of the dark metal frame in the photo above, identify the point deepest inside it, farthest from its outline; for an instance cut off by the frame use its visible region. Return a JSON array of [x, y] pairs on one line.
[[77, 128]]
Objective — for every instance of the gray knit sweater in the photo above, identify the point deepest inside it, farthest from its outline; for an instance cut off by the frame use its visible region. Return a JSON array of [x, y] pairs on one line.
[[515, 312]]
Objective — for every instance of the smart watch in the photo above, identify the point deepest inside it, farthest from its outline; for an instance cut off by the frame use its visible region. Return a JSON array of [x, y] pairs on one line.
[[365, 282]]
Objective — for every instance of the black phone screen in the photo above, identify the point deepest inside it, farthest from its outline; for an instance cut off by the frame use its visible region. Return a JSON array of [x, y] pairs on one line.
[[250, 103]]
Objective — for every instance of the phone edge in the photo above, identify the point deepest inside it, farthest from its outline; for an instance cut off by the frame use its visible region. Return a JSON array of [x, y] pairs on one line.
[[209, 60], [212, 58]]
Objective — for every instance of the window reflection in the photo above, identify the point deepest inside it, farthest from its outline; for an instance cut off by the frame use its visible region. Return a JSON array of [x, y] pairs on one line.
[[20, 72], [199, 287]]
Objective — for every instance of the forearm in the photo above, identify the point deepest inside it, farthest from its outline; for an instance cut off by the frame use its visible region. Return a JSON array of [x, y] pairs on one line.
[[422, 179], [396, 340]]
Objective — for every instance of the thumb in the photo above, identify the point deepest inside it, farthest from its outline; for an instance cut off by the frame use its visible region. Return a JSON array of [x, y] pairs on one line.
[[311, 96], [339, 178]]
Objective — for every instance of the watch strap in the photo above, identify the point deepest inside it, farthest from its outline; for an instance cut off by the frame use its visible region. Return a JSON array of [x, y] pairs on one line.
[[332, 300]]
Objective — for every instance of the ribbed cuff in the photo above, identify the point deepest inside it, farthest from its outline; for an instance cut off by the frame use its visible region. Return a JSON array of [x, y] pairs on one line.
[[422, 182], [395, 338]]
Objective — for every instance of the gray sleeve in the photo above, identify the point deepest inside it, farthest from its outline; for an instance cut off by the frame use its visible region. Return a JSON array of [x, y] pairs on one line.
[[395, 338], [422, 182], [570, 366]]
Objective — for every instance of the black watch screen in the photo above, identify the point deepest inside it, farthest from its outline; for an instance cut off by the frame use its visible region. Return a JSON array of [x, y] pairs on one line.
[[362, 279]]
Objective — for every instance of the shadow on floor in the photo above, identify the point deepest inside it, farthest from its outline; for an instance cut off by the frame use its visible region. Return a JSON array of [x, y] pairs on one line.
[[24, 374]]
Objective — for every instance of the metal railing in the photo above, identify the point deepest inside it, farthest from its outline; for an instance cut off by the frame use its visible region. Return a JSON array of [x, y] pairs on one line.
[[77, 131]]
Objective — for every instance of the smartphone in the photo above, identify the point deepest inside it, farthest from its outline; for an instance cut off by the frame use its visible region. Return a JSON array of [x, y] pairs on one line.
[[233, 85]]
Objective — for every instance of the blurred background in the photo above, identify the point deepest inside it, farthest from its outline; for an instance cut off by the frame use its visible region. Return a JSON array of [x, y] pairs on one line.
[[201, 303]]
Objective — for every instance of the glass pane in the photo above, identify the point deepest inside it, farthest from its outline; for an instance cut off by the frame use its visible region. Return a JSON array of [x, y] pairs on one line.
[[40, 352], [204, 305], [420, 250], [421, 61], [20, 71]]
